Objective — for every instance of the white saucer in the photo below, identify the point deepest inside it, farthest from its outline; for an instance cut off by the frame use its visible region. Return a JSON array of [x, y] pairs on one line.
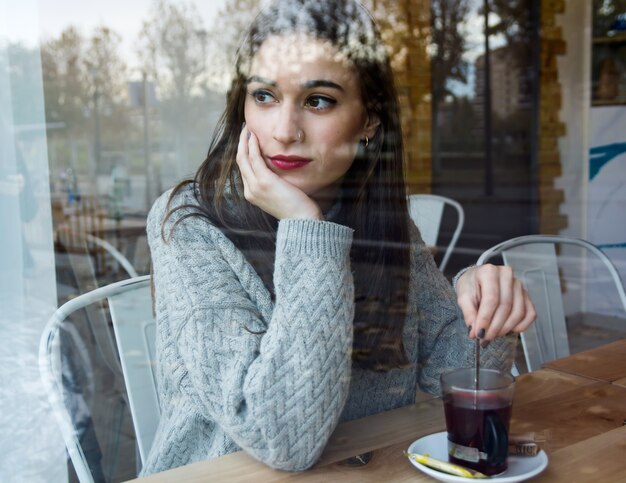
[[436, 445]]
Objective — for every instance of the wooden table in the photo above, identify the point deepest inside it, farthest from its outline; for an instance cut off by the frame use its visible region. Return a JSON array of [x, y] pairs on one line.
[[104, 226], [581, 416], [606, 363]]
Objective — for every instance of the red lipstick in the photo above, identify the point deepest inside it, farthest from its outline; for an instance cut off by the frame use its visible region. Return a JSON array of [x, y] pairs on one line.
[[288, 162]]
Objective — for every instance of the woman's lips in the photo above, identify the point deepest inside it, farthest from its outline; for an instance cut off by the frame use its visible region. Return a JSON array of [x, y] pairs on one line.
[[289, 162]]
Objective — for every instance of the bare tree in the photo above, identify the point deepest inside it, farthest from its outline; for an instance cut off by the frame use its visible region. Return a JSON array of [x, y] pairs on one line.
[[173, 46], [448, 44], [447, 62], [225, 37], [66, 89], [106, 66], [84, 80], [514, 23], [107, 87]]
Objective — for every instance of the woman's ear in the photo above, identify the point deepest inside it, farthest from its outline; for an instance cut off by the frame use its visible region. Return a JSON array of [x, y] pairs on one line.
[[371, 125]]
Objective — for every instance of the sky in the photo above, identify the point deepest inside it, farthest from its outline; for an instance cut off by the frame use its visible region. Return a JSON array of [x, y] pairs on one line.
[[32, 21], [124, 16]]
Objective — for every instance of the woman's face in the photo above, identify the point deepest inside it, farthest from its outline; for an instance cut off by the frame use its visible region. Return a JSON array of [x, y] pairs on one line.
[[303, 103]]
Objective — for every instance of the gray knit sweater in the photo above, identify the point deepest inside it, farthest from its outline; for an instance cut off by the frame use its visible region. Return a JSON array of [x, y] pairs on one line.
[[237, 370]]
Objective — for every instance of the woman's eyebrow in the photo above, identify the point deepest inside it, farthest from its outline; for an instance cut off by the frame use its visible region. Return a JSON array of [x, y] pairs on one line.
[[307, 85], [322, 83], [261, 80]]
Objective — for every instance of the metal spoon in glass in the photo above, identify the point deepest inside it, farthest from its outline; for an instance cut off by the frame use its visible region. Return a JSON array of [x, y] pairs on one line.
[[477, 364]]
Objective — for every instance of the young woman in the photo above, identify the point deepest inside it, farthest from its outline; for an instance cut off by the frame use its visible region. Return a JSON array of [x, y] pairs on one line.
[[292, 291]]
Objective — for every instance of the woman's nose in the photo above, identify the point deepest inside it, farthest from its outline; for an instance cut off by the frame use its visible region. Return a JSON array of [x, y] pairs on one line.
[[287, 126]]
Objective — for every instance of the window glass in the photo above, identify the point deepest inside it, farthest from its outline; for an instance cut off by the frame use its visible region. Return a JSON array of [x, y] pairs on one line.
[[30, 446], [515, 109], [131, 97]]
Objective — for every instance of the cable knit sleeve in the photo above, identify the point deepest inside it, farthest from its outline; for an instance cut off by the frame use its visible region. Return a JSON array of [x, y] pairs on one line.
[[274, 379], [443, 341]]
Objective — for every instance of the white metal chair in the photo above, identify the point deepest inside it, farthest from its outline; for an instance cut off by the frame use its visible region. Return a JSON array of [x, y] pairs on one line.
[[114, 252], [534, 261], [133, 322], [426, 212]]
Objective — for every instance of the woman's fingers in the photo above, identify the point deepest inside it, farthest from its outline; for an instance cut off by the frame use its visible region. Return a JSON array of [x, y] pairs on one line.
[[256, 177], [468, 306], [468, 298], [267, 190], [242, 157], [265, 186], [518, 309], [530, 315], [256, 158], [506, 283], [494, 302], [488, 287]]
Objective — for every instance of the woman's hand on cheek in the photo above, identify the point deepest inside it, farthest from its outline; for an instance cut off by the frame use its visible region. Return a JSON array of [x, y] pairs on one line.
[[494, 302], [265, 189]]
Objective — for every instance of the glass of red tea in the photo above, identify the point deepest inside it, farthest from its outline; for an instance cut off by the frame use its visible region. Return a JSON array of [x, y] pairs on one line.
[[477, 418]]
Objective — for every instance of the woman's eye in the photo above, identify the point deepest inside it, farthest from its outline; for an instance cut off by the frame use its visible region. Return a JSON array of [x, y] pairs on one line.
[[320, 102], [262, 96]]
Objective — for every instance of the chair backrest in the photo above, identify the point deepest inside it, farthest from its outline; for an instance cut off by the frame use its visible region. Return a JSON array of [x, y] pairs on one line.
[[134, 326], [135, 333], [114, 252], [81, 230], [426, 211], [534, 261]]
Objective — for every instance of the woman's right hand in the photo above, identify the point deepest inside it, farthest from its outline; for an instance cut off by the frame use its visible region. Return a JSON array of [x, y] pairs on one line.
[[265, 189]]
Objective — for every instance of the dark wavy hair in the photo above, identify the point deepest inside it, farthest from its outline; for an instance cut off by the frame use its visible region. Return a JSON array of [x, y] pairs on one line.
[[373, 197]]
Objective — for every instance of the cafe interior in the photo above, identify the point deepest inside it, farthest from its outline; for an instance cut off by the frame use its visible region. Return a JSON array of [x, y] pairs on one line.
[[513, 115]]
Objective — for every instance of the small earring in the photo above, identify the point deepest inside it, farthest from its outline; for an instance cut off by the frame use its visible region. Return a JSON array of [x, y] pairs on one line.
[[300, 135], [367, 140]]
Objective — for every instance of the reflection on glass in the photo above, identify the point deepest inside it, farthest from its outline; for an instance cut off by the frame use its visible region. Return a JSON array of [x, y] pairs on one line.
[[128, 114]]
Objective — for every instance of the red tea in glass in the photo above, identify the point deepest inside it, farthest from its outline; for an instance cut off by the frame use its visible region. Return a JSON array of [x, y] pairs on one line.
[[477, 421]]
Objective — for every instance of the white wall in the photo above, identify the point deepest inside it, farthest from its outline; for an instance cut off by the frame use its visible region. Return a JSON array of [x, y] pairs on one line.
[[589, 288], [574, 75]]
